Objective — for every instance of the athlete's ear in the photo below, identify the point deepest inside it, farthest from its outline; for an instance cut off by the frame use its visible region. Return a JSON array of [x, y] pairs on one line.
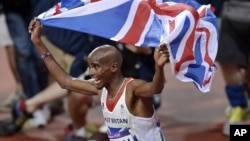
[[114, 66]]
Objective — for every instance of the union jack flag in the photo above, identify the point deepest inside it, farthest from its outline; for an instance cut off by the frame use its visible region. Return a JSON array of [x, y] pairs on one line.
[[190, 30]]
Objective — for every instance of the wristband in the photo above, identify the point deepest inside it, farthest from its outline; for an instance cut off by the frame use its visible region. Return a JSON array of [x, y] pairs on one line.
[[44, 55]]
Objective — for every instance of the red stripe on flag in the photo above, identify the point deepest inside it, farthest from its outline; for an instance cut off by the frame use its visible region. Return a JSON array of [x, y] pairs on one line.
[[188, 53], [207, 58], [171, 26], [173, 10], [207, 81], [91, 1], [57, 9], [140, 20]]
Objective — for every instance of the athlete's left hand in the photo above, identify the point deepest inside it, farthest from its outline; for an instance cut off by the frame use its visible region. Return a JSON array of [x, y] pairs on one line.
[[161, 55]]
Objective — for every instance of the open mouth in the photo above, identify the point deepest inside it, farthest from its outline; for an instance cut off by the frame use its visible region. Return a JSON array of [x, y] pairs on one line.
[[94, 81]]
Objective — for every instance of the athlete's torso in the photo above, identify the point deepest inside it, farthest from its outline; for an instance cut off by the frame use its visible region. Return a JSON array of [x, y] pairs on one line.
[[123, 125]]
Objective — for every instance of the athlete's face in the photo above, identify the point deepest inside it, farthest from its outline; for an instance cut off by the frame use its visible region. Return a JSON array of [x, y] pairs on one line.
[[99, 71], [104, 65]]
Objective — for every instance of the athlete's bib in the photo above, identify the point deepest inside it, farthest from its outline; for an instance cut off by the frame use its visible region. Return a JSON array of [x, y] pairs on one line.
[[121, 136]]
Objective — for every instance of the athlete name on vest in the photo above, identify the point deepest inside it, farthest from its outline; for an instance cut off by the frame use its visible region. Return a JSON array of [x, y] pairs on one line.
[[116, 120]]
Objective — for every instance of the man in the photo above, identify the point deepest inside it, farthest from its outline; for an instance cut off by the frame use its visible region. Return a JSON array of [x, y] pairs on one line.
[[233, 57], [126, 102], [7, 43]]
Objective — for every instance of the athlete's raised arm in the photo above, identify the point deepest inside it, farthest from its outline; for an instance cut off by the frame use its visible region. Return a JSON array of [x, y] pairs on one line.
[[61, 76]]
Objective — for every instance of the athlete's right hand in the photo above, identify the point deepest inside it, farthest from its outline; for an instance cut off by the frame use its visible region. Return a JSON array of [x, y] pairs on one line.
[[35, 29]]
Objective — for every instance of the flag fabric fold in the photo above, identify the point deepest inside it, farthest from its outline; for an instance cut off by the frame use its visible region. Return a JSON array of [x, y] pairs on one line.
[[189, 29]]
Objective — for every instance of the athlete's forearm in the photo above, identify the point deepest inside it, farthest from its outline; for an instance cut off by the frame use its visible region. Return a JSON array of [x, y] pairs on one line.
[[158, 80]]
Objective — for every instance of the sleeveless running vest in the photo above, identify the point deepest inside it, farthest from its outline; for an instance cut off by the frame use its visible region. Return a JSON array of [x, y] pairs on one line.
[[123, 126]]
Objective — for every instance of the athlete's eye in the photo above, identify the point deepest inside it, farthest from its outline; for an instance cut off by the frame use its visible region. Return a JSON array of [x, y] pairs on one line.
[[96, 67]]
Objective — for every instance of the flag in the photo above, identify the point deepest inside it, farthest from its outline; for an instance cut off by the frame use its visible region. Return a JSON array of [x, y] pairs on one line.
[[189, 29], [192, 33], [125, 21]]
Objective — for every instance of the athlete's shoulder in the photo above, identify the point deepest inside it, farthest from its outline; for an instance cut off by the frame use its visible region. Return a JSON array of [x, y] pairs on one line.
[[134, 82]]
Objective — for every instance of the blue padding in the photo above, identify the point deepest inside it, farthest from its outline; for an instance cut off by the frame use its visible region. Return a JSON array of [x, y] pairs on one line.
[[236, 95]]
